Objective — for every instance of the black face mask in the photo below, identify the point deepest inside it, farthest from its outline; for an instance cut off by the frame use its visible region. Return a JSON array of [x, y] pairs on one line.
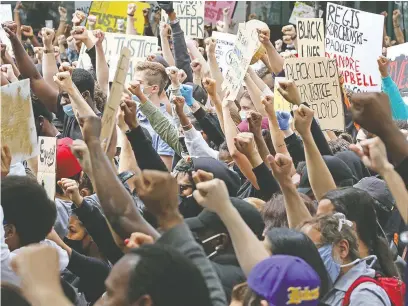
[[189, 207], [75, 244]]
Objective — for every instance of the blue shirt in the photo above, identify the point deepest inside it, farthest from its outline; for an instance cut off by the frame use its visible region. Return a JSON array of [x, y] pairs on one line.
[[160, 146]]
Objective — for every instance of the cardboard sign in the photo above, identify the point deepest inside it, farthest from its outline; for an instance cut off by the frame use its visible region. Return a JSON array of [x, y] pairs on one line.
[[111, 107], [303, 10], [214, 10], [354, 40], [223, 50], [399, 68], [245, 46], [281, 104], [310, 33], [318, 84], [5, 13], [17, 121], [191, 17], [47, 161], [109, 12], [140, 47]]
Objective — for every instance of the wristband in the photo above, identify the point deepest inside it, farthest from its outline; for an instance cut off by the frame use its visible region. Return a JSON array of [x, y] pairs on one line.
[[131, 15], [48, 51], [63, 19], [186, 126]]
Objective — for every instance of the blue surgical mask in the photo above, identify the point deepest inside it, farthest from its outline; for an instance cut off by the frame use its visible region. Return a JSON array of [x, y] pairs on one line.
[[135, 98], [333, 268], [68, 110]]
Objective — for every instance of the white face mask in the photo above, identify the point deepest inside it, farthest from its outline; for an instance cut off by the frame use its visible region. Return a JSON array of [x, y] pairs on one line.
[[243, 115]]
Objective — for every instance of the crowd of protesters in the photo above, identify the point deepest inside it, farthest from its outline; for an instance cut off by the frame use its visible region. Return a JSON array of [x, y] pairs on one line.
[[208, 201]]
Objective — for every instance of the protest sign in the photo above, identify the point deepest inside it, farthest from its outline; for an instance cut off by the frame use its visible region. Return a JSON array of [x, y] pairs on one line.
[[223, 49], [17, 121], [5, 13], [191, 17], [281, 104], [111, 107], [318, 84], [245, 46], [214, 10], [399, 68], [47, 160], [140, 47], [303, 10], [354, 40], [310, 33], [109, 12]]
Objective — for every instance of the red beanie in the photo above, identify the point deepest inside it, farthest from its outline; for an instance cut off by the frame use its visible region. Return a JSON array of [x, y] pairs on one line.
[[67, 164]]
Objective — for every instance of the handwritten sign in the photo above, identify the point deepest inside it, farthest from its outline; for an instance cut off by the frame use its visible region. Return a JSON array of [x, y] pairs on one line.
[[191, 17], [17, 121], [354, 40], [111, 107], [310, 37], [47, 161], [245, 46], [318, 84], [224, 49], [281, 104], [140, 47], [214, 10], [399, 68], [109, 12], [302, 10]]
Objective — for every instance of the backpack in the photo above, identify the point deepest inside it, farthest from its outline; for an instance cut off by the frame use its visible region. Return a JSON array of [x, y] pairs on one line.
[[394, 287]]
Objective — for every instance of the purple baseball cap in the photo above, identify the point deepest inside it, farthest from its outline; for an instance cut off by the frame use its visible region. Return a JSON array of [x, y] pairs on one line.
[[285, 280]]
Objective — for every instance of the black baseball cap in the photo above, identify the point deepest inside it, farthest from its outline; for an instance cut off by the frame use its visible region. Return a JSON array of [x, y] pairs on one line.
[[210, 220], [342, 174]]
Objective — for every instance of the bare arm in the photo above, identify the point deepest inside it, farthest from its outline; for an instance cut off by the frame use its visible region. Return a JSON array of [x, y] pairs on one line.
[[214, 68], [240, 159], [62, 24], [127, 159], [296, 210], [16, 17], [399, 35], [7, 59], [255, 127], [255, 93], [164, 36], [257, 80], [102, 69], [398, 191], [210, 87], [116, 202], [49, 63], [130, 20], [320, 177], [45, 92], [274, 57]]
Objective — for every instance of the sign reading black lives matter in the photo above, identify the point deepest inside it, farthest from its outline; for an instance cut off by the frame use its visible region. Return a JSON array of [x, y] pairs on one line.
[[310, 37], [318, 83], [354, 40], [191, 17]]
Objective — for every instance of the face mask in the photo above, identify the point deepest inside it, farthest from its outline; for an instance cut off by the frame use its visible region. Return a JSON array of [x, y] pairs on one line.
[[332, 267], [75, 244], [243, 115], [68, 110]]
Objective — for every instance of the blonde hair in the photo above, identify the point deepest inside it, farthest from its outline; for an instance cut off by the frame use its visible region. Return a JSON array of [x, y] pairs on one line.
[[155, 74]]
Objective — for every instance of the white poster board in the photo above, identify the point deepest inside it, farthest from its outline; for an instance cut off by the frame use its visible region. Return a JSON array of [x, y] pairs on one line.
[[225, 46], [303, 10], [318, 84], [246, 44], [310, 33], [140, 47], [5, 13], [354, 40], [47, 162], [17, 121], [191, 17], [399, 68]]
